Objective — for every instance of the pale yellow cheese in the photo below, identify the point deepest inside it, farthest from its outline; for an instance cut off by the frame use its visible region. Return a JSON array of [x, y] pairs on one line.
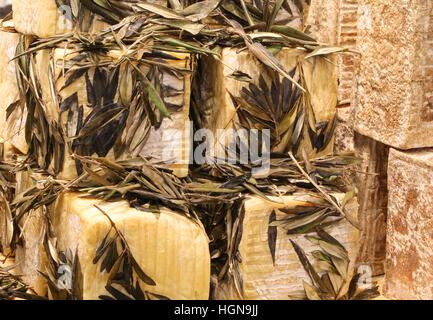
[[262, 280], [13, 130], [169, 247], [43, 18], [320, 76], [170, 143]]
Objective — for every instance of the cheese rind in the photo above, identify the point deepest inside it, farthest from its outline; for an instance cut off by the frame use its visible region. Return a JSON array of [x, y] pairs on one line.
[[170, 248]]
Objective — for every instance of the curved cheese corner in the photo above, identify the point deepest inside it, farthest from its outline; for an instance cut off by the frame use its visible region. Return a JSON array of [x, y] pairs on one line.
[[169, 247]]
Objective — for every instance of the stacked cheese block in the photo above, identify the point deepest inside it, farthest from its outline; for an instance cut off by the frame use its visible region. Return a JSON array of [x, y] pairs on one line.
[[265, 277], [159, 141], [262, 278], [320, 75], [338, 22], [170, 248]]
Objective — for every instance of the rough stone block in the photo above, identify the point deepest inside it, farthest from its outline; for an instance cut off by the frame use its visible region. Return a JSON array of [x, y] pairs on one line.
[[409, 258], [394, 95]]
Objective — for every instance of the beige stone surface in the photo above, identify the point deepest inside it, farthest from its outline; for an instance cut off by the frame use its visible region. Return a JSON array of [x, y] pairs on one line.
[[409, 258], [394, 95], [263, 280]]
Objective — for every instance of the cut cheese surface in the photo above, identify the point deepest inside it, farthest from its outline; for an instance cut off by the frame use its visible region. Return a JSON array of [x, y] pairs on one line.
[[262, 280], [11, 131], [320, 76], [170, 143], [43, 18]]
